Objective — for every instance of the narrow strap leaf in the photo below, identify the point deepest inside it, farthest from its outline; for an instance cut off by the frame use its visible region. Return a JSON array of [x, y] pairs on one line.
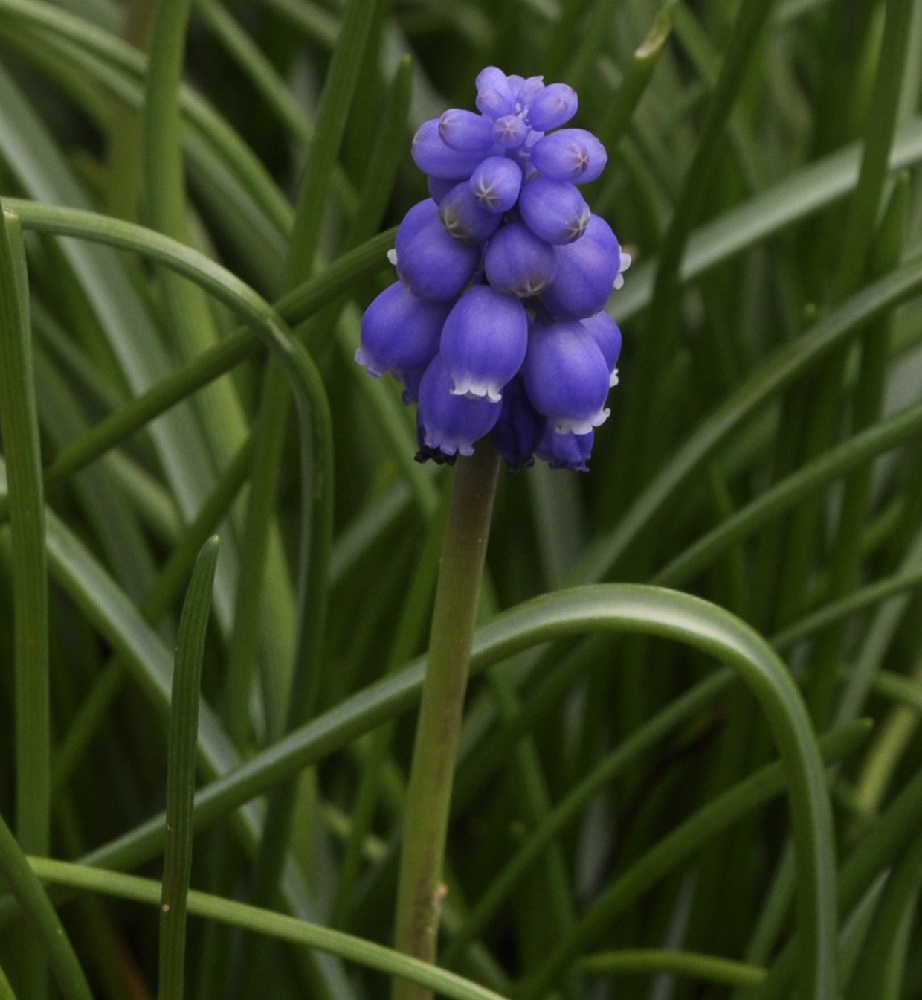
[[182, 747]]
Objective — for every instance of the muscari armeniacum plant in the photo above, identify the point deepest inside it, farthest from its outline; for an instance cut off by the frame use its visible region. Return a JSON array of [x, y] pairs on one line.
[[496, 324], [496, 327]]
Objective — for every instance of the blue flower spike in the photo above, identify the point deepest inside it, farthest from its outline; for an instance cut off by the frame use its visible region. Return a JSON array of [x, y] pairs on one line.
[[496, 325]]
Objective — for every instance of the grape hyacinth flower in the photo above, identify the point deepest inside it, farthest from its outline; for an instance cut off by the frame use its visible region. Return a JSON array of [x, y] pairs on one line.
[[496, 325]]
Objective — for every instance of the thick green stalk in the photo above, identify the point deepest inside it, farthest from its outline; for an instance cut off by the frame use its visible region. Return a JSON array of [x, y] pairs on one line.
[[420, 888]]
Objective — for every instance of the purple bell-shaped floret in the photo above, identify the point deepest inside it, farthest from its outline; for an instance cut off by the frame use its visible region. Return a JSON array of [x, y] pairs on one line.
[[599, 231], [586, 273], [495, 96], [496, 183], [447, 423], [466, 131], [553, 210], [436, 266], [519, 428], [554, 106], [517, 262], [526, 90], [565, 451], [423, 213], [483, 342], [572, 154], [400, 332], [464, 217], [509, 132], [606, 333], [566, 376], [437, 159]]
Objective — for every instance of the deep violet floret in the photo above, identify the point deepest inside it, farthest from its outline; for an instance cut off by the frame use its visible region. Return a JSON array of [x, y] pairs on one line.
[[496, 325]]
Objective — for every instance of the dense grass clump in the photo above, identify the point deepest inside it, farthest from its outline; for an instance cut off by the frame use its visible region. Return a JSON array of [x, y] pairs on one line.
[[688, 761]]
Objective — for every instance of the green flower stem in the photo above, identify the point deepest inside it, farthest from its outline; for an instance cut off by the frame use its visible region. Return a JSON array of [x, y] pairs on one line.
[[435, 750], [604, 608]]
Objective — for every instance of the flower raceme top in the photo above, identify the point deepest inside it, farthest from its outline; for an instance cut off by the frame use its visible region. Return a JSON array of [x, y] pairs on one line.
[[497, 325]]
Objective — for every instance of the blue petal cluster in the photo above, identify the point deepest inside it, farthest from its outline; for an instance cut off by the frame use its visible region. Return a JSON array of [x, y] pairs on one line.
[[496, 324]]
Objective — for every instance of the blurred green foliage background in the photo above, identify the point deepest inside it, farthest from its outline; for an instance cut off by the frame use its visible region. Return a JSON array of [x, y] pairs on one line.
[[197, 206]]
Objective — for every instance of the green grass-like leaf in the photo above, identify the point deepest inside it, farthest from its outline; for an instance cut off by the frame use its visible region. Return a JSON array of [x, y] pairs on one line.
[[199, 201], [181, 767]]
